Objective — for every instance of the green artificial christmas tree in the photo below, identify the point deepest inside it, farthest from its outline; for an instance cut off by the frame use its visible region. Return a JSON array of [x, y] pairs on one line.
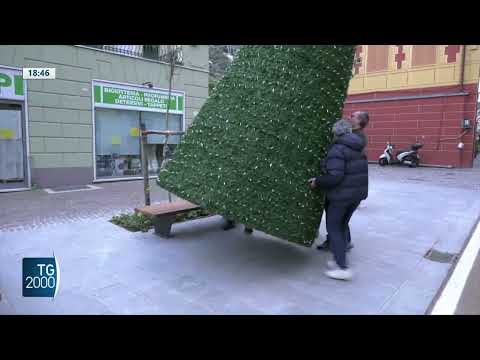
[[261, 135]]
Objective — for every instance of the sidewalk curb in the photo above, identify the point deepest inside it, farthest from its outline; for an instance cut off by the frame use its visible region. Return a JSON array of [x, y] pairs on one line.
[[452, 269], [432, 166]]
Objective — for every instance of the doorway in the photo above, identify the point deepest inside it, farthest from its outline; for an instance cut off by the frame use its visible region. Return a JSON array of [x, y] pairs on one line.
[[13, 147], [476, 160]]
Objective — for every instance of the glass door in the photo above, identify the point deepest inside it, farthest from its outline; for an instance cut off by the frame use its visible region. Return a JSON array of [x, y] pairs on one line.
[[13, 169]]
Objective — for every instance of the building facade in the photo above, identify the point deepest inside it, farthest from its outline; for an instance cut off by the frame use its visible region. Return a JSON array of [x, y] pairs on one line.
[[424, 93], [83, 126]]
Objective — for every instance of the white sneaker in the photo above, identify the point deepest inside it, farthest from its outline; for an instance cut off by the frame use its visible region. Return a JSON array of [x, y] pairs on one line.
[[340, 274], [332, 265]]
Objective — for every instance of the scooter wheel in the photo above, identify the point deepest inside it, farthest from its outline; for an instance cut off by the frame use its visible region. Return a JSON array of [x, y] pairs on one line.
[[414, 163], [383, 162]]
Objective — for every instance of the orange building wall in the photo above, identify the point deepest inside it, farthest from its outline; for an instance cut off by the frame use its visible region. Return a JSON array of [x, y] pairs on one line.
[[414, 94], [445, 71]]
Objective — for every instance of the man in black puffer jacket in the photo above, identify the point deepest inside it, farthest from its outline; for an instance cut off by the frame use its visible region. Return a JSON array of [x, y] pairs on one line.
[[346, 185], [359, 121]]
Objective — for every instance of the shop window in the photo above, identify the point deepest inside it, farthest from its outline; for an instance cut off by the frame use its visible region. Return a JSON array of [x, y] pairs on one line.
[[118, 145]]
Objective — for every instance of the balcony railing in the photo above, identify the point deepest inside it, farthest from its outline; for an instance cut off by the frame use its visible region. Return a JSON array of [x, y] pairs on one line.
[[152, 52]]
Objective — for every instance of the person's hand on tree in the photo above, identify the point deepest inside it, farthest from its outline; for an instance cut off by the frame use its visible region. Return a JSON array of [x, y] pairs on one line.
[[312, 183]]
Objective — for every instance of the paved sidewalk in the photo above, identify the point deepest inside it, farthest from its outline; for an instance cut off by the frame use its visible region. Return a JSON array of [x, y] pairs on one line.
[[204, 270]]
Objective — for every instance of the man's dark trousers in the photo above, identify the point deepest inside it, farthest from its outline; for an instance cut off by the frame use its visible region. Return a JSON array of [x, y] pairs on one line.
[[327, 241], [339, 215]]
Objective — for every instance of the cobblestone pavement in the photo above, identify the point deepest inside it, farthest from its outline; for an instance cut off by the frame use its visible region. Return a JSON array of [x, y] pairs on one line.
[[31, 209], [36, 208]]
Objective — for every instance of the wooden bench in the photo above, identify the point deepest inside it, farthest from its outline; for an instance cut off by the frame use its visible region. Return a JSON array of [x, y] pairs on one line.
[[163, 214]]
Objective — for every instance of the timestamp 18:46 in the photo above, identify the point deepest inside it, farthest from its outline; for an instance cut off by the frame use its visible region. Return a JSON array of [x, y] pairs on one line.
[[38, 73]]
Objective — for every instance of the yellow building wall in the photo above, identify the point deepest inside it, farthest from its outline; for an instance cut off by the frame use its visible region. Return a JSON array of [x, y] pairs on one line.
[[441, 73]]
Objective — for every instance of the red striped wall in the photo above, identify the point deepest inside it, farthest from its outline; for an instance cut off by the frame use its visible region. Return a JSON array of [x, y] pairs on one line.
[[437, 120]]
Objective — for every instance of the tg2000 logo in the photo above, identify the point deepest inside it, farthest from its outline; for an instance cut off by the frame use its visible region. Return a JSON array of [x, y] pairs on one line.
[[41, 277]]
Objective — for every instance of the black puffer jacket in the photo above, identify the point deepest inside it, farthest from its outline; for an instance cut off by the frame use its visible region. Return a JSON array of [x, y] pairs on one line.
[[346, 166]]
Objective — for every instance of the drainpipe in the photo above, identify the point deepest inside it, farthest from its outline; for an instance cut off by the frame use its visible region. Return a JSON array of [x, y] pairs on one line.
[[462, 88], [462, 68]]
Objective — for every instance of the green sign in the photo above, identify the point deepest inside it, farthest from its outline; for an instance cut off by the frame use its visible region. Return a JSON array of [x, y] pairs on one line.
[[138, 99], [11, 84]]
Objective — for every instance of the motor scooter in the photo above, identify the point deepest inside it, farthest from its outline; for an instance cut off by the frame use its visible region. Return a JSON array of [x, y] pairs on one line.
[[403, 157]]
